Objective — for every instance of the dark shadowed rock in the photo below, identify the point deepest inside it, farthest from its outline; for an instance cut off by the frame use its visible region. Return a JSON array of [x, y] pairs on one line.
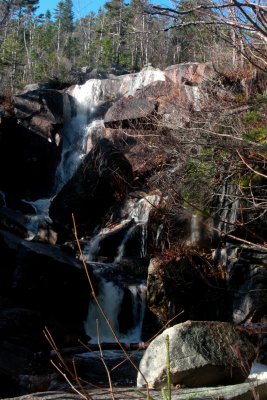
[[201, 354], [51, 281], [21, 335], [40, 286], [181, 288], [29, 159], [13, 221], [9, 245], [248, 280], [102, 180]]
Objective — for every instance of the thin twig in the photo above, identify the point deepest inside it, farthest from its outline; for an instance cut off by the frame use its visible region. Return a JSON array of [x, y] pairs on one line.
[[103, 361], [249, 167]]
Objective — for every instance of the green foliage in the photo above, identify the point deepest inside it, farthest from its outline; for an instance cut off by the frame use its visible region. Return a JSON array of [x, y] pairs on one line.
[[255, 121], [199, 171], [199, 168], [258, 135], [249, 180], [63, 13], [11, 50], [252, 117]]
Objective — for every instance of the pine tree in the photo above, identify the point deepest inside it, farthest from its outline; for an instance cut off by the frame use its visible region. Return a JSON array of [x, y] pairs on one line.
[[64, 14]]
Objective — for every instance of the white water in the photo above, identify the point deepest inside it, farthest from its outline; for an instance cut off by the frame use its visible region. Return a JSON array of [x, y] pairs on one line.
[[110, 299], [78, 128], [136, 211]]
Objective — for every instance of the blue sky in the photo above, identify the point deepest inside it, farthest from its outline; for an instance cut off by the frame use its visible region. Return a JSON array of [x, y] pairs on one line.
[[80, 7]]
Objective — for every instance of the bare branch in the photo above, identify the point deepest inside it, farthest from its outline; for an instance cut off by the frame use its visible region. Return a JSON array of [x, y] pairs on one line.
[[249, 167]]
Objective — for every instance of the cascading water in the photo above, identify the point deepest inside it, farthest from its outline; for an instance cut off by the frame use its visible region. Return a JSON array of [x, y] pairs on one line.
[[77, 128], [139, 214], [83, 119], [112, 294], [110, 298]]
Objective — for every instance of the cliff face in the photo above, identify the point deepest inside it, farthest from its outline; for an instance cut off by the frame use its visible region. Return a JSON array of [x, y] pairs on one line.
[[165, 174]]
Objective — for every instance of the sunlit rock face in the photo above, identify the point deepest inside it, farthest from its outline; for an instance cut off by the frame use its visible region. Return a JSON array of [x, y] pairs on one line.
[[201, 354]]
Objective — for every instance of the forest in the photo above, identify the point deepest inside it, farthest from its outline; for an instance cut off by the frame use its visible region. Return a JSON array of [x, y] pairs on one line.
[[125, 36]]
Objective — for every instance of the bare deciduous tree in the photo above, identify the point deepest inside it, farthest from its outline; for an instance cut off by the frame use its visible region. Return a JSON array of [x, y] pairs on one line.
[[244, 22]]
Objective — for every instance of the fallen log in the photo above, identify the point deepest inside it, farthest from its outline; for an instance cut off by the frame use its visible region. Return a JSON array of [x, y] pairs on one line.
[[248, 328], [253, 328], [67, 351]]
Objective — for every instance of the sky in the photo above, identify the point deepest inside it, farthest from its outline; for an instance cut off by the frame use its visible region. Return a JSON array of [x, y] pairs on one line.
[[80, 7]]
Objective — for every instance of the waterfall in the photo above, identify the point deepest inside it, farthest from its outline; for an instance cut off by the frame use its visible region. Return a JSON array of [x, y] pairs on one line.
[[112, 294], [138, 293], [136, 215], [139, 213], [82, 121], [111, 300], [78, 128]]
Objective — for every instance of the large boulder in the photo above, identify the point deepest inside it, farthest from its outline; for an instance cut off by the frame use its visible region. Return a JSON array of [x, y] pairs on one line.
[[40, 286], [41, 111], [42, 272], [142, 122], [128, 112], [201, 354]]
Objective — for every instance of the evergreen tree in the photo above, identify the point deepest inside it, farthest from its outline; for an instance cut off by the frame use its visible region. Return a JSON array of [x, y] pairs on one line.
[[64, 14], [117, 17], [64, 28]]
